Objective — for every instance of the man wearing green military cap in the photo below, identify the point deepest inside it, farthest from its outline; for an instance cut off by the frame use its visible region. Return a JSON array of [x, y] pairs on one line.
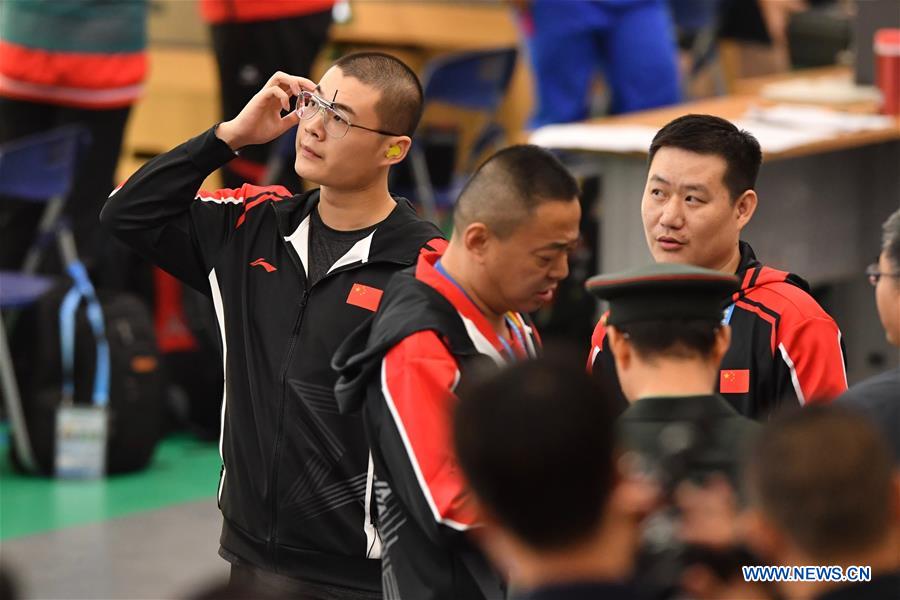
[[667, 337]]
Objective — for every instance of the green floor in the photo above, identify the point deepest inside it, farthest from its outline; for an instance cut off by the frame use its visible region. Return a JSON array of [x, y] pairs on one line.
[[183, 469]]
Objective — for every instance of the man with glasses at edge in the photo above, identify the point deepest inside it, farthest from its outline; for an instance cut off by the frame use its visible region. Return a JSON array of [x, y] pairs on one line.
[[290, 277], [879, 396]]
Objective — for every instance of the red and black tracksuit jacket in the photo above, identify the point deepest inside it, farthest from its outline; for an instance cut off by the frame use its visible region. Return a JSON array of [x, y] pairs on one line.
[[296, 472], [785, 349], [401, 370]]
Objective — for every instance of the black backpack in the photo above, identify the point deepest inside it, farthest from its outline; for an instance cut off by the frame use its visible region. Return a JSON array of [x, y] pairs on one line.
[[136, 381], [188, 336]]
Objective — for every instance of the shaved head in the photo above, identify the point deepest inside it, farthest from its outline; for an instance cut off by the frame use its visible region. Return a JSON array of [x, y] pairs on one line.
[[400, 106], [508, 187]]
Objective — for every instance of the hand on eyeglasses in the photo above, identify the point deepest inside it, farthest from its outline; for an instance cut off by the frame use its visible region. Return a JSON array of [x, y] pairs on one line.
[[260, 121]]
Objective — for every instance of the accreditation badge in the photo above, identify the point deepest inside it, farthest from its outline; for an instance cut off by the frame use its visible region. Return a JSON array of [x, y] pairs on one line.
[[81, 433]]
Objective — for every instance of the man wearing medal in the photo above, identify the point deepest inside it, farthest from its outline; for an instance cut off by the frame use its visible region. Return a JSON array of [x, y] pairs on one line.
[[439, 323]]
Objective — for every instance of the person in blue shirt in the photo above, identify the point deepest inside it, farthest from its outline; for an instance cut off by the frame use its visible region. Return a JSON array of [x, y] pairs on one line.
[[631, 42]]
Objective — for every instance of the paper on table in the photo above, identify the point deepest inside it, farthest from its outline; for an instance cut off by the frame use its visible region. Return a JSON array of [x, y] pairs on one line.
[[609, 138], [778, 128], [824, 90], [816, 117], [778, 138], [782, 127]]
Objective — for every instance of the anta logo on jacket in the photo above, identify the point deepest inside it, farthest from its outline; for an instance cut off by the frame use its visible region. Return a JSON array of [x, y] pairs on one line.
[[784, 347]]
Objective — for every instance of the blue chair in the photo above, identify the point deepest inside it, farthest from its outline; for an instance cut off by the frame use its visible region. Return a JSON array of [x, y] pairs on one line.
[[475, 81], [38, 168]]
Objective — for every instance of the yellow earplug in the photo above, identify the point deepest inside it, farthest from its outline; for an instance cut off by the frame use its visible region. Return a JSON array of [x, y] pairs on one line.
[[393, 152]]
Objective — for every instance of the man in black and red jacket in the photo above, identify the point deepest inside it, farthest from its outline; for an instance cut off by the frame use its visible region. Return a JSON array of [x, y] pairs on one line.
[[699, 196], [439, 323], [290, 277]]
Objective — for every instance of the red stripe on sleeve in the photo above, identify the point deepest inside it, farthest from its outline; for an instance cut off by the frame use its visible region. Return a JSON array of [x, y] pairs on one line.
[[814, 347], [233, 196], [810, 338], [597, 342], [418, 377]]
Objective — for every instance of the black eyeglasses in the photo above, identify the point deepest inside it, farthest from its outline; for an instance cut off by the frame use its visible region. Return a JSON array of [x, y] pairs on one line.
[[337, 124], [874, 274]]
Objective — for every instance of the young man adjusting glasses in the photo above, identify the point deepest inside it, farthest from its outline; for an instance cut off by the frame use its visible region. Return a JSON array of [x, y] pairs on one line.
[[290, 277]]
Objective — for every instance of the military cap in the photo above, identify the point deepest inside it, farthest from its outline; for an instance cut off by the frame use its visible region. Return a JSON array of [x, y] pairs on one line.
[[664, 291]]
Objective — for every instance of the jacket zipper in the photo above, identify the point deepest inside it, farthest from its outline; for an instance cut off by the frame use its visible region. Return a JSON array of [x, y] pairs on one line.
[[279, 430]]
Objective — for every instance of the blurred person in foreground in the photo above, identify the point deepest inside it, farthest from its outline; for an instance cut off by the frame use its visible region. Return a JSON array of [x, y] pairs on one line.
[[699, 196], [561, 513], [455, 313], [879, 396], [823, 490]]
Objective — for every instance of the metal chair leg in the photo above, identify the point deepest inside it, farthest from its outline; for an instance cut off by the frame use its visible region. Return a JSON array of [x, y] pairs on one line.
[[422, 179]]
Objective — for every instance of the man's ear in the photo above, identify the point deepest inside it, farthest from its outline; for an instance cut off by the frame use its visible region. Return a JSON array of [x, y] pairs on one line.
[[395, 149], [745, 207], [620, 347], [722, 343], [477, 239]]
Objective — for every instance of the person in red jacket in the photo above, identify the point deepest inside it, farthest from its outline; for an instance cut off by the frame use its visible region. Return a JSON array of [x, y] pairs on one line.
[[253, 39], [78, 62], [438, 326], [699, 196]]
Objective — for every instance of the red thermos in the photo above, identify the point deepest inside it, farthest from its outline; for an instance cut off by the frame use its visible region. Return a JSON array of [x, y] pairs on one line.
[[887, 69]]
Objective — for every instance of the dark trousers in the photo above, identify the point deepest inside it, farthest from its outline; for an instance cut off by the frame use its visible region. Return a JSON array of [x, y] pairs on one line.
[[94, 180], [248, 54], [250, 582]]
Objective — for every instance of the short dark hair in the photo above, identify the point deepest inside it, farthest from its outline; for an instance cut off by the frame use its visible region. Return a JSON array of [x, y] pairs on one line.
[[400, 106], [672, 338], [890, 240], [509, 186], [827, 506], [706, 134], [535, 442]]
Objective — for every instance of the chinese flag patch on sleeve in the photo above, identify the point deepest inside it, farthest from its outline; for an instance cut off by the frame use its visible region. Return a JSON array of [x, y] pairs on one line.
[[364, 296], [734, 381]]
